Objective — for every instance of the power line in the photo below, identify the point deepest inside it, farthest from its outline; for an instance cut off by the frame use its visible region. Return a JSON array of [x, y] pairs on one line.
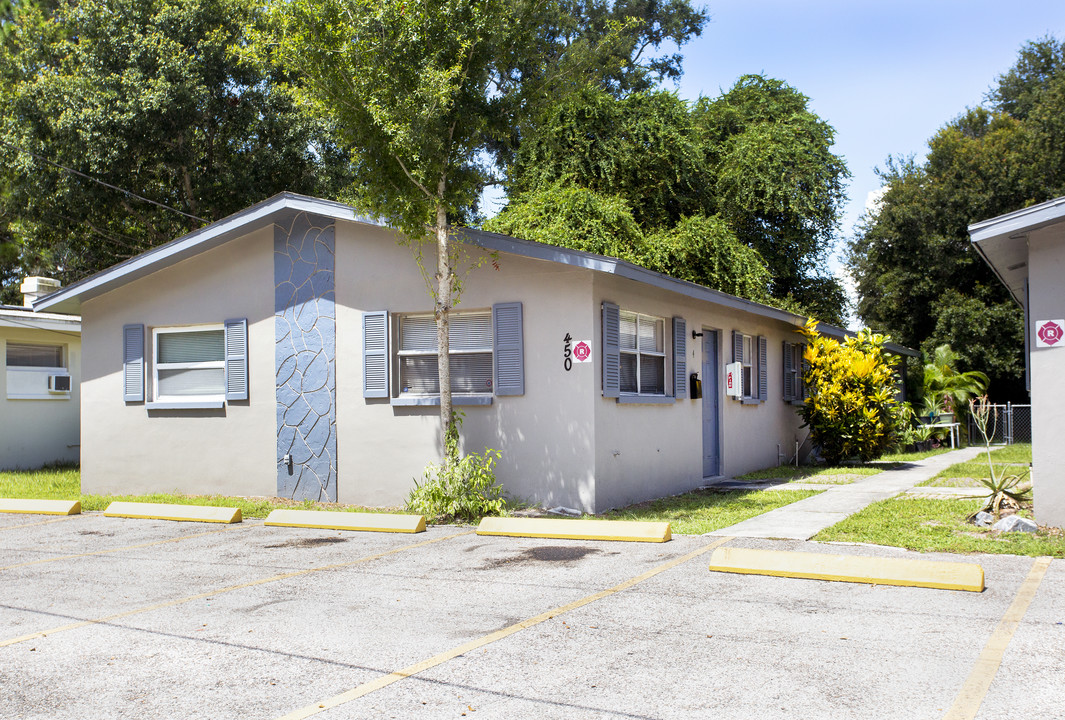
[[101, 182]]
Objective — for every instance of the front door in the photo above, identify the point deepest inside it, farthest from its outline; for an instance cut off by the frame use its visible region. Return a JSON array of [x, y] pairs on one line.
[[711, 406]]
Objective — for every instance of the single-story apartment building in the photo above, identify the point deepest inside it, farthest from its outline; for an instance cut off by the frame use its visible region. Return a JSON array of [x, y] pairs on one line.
[[1026, 249], [290, 349], [40, 374]]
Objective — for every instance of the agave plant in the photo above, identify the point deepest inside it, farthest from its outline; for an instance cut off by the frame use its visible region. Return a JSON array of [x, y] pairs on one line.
[[1002, 489]]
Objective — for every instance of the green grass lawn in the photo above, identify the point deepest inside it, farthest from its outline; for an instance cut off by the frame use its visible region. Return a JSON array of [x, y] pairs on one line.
[[932, 525], [840, 474], [703, 511], [64, 483], [1012, 459]]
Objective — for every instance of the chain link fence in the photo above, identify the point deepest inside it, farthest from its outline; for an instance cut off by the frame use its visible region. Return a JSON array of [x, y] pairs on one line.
[[1011, 423]]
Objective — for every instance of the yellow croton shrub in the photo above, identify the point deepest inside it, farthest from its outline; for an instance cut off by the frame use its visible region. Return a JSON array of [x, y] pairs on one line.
[[850, 402]]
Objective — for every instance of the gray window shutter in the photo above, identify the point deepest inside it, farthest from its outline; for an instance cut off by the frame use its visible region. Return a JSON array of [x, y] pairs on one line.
[[800, 392], [763, 376], [375, 354], [680, 358], [237, 359], [737, 347], [789, 377], [508, 349], [133, 363], [611, 351]]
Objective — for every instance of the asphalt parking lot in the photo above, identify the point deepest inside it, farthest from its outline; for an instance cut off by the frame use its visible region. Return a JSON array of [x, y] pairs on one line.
[[118, 618]]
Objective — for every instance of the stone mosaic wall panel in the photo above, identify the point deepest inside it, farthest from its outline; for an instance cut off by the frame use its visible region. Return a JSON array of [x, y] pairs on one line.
[[305, 356]]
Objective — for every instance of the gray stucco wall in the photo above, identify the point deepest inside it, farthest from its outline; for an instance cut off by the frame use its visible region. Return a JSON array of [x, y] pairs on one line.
[[647, 451], [562, 443], [1046, 263], [127, 448], [545, 435], [37, 432]]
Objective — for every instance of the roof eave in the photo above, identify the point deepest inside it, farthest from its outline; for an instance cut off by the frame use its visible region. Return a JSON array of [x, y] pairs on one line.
[[263, 214]]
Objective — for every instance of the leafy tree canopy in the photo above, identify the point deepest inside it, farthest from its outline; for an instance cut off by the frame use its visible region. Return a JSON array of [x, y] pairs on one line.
[[148, 96], [755, 159], [433, 96], [698, 249], [916, 272]]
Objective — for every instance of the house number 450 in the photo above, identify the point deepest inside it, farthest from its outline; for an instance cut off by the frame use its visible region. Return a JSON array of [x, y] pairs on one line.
[[567, 352]]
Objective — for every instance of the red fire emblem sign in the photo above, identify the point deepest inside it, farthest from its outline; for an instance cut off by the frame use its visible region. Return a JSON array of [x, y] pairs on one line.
[[581, 351], [1050, 333]]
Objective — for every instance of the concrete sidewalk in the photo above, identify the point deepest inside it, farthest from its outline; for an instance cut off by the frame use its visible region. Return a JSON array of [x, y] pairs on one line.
[[804, 519]]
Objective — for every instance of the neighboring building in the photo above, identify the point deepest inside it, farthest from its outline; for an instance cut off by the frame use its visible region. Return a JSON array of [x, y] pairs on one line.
[[290, 350], [1026, 249], [40, 359]]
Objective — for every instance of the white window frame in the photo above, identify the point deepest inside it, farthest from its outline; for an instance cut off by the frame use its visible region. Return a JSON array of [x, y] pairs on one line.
[[748, 360], [452, 352], [208, 364], [26, 387], [640, 318]]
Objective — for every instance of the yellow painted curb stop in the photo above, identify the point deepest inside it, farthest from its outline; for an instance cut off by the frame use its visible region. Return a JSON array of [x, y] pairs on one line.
[[163, 511], [849, 568], [40, 507], [367, 522], [625, 530]]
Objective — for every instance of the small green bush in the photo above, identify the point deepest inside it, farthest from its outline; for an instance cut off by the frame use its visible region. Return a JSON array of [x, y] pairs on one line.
[[461, 489]]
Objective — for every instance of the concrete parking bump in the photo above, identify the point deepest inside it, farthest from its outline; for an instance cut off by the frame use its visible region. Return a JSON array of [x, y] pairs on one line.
[[163, 511], [365, 522], [623, 530], [850, 568], [40, 507]]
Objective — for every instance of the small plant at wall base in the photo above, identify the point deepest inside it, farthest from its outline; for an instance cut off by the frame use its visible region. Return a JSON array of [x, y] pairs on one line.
[[1002, 489], [461, 489], [850, 404]]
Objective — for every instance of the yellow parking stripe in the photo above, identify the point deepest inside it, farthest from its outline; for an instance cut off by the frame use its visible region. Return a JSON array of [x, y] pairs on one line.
[[570, 529], [219, 591], [39, 522], [386, 680], [113, 550], [976, 686]]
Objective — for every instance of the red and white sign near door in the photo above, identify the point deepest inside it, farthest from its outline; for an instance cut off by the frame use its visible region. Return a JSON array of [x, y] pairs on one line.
[[1049, 333]]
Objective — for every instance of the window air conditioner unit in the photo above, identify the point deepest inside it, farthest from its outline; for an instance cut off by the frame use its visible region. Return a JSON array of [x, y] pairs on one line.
[[59, 383]]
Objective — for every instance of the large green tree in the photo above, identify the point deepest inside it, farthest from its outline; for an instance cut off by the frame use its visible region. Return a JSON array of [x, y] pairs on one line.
[[916, 272], [434, 95], [754, 159], [149, 96]]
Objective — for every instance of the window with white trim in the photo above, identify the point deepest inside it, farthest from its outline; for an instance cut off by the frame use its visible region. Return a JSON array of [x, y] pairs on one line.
[[190, 363], [470, 352], [747, 360], [750, 351], [643, 356], [36, 371]]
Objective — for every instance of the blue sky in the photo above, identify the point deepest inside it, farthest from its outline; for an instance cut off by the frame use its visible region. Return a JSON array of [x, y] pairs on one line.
[[885, 75]]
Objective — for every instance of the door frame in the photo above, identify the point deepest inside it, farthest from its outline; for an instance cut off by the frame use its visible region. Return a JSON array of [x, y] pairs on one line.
[[711, 384]]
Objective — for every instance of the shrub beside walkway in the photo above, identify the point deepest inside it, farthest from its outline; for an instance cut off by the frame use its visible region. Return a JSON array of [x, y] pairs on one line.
[[804, 519]]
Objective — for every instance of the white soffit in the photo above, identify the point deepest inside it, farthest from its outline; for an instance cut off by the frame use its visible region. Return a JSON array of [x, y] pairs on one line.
[[1003, 241]]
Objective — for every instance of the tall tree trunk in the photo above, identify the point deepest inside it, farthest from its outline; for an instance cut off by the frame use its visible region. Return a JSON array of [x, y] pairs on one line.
[[442, 310]]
